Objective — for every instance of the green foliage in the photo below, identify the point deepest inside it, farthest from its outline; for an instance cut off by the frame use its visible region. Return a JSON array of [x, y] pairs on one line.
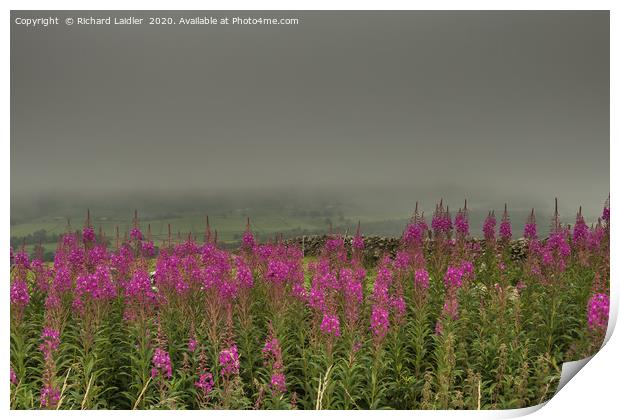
[[504, 351]]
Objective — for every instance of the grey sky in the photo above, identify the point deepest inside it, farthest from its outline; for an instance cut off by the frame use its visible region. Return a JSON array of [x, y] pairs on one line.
[[513, 106]]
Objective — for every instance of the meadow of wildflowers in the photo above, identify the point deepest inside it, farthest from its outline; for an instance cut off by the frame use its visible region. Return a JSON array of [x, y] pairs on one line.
[[445, 323]]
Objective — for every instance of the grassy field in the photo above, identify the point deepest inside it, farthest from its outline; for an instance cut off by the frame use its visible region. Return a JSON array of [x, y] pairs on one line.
[[229, 226]]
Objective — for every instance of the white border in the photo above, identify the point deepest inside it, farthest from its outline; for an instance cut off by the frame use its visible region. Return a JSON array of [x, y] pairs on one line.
[[591, 394]]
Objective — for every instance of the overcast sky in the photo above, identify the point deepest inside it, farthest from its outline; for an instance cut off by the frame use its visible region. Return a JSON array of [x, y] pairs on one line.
[[514, 105]]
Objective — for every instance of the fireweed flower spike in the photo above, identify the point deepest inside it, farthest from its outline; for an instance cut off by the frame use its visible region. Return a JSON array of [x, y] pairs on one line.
[[19, 294], [50, 395], [453, 278], [441, 223], [598, 312], [358, 242], [505, 230], [204, 383], [529, 231], [229, 361], [248, 242], [461, 224], [489, 227], [421, 279], [330, 325], [379, 322], [135, 234], [580, 232], [161, 364], [272, 355]]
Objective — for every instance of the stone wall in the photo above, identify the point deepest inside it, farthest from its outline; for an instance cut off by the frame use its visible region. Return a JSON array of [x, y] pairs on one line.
[[376, 246]]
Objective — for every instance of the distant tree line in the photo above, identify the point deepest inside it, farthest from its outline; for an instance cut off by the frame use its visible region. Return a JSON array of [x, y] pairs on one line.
[[40, 236]]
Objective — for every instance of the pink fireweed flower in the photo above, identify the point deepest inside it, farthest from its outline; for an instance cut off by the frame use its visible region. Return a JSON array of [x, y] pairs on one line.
[[557, 246], [505, 230], [351, 283], [22, 260], [50, 396], [227, 289], [467, 270], [76, 258], [451, 306], [69, 241], [399, 307], [333, 245], [358, 242], [441, 222], [204, 383], [595, 238], [414, 233], [148, 248], [402, 261], [580, 231], [316, 298], [244, 274], [52, 301], [192, 344], [330, 325], [97, 286], [51, 341], [453, 277], [438, 327], [598, 312], [97, 255], [135, 234], [379, 321], [421, 279], [272, 354], [229, 361], [139, 288], [461, 224], [278, 383], [489, 227], [272, 351], [161, 364], [529, 232], [277, 271], [247, 241], [605, 215], [13, 377], [88, 234], [19, 294]]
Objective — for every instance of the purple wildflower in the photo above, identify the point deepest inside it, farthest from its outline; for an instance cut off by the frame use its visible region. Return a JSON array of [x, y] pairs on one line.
[[49, 397], [135, 234], [453, 277], [421, 279], [598, 312], [161, 364], [229, 361], [88, 234], [19, 294], [461, 224], [204, 383], [247, 241], [278, 383], [379, 321], [330, 325], [489, 227], [357, 242]]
